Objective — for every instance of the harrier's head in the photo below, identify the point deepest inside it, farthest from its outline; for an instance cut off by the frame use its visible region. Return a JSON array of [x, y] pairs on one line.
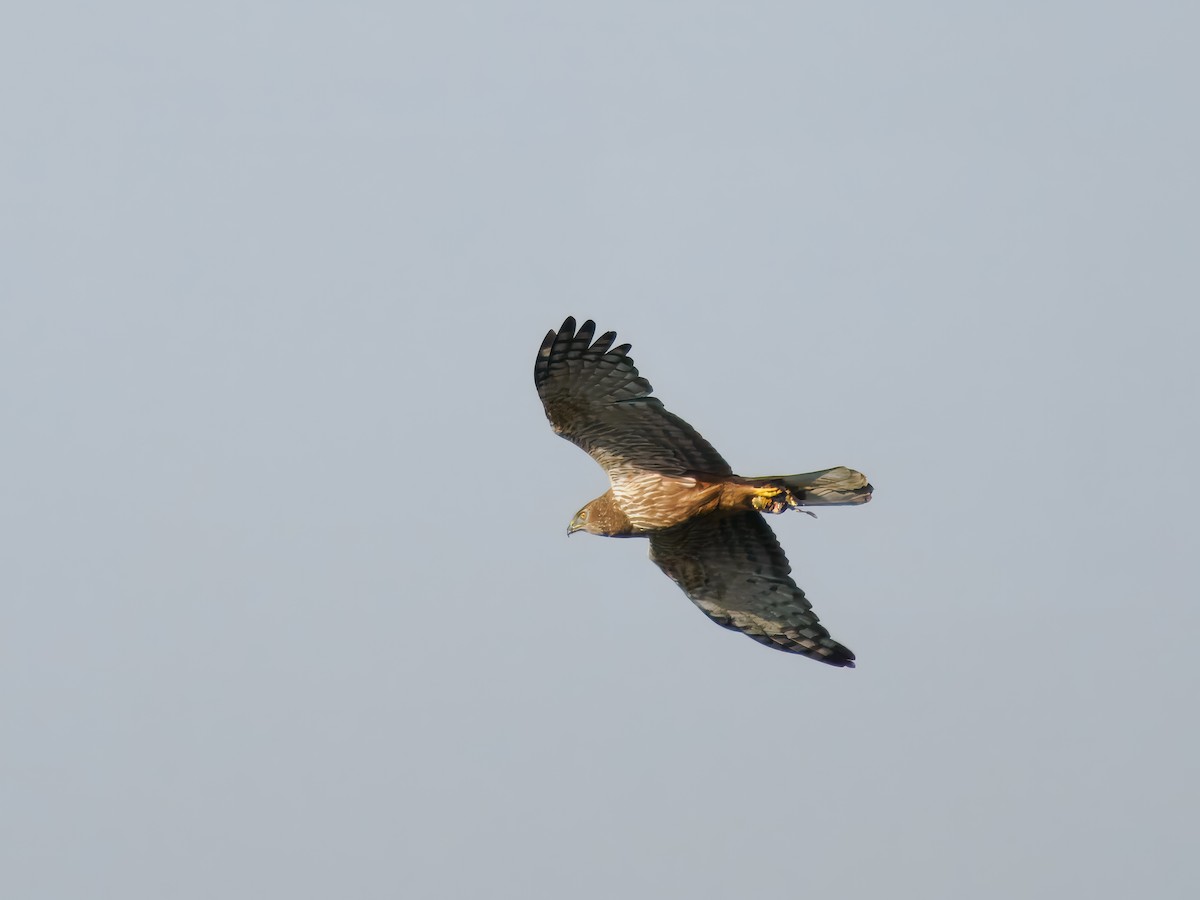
[[581, 521], [602, 516]]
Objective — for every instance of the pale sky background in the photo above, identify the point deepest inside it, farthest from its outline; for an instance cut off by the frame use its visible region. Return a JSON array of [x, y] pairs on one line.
[[288, 607]]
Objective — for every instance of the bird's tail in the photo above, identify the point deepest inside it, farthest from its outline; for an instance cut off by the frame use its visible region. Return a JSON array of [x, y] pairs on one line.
[[829, 487]]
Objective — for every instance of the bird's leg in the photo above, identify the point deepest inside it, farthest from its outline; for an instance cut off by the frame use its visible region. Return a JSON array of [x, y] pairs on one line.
[[775, 500], [771, 500]]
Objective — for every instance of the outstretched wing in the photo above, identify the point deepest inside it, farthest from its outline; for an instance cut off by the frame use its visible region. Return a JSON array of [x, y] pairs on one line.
[[733, 568], [595, 398]]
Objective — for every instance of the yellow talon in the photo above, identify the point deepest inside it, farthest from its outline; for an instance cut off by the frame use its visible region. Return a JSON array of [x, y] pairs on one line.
[[770, 500]]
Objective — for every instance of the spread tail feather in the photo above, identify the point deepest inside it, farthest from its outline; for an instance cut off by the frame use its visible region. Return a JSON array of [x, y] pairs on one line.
[[838, 486]]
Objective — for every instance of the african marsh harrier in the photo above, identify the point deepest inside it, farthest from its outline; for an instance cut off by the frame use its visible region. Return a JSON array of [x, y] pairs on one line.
[[705, 524]]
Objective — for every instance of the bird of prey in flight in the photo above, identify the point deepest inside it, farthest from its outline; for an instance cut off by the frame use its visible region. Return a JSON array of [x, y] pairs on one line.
[[705, 524]]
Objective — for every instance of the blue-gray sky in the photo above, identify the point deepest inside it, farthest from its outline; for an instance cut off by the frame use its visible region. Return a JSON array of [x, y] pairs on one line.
[[288, 609]]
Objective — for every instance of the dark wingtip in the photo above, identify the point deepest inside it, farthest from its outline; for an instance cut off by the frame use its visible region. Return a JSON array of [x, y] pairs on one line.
[[570, 342], [838, 655], [583, 337], [541, 366]]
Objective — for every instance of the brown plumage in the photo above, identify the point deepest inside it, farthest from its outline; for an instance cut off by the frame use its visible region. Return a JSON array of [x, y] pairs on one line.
[[705, 524]]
